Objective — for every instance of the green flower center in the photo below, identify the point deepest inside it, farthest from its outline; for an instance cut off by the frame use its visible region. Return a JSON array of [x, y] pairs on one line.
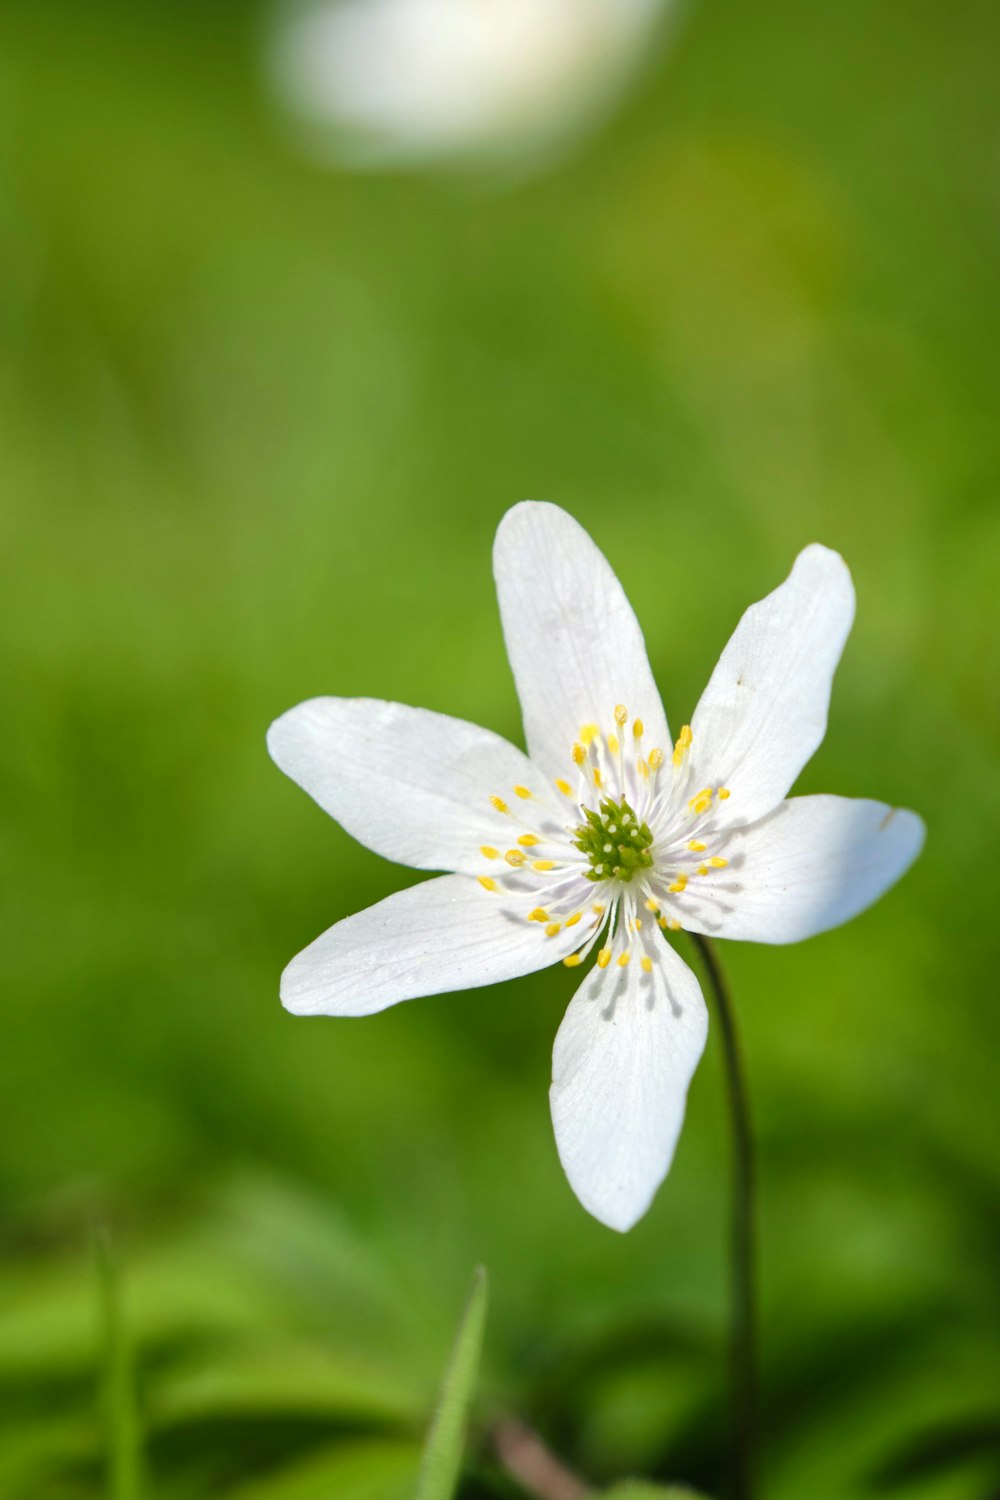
[[614, 841]]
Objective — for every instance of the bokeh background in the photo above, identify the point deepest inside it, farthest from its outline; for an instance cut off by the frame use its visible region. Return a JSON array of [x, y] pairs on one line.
[[259, 417]]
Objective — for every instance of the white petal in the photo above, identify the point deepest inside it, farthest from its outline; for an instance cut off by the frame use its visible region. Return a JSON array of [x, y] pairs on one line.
[[764, 711], [574, 644], [622, 1062], [445, 934], [813, 863], [413, 785]]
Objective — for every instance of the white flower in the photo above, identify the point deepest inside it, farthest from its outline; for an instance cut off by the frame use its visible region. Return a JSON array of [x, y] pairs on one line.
[[410, 80], [605, 837]]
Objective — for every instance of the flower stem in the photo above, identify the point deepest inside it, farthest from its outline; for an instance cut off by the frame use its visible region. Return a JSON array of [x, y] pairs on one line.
[[743, 1335]]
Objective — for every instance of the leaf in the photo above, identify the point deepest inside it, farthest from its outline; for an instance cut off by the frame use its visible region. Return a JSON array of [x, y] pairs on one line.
[[123, 1435], [442, 1458], [372, 1469]]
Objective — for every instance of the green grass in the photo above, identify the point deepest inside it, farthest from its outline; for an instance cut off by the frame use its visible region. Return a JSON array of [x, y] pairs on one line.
[[257, 425]]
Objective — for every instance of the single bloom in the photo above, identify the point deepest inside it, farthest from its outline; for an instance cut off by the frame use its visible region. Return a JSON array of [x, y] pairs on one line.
[[604, 838]]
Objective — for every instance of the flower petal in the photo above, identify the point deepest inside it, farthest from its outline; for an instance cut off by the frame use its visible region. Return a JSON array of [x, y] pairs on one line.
[[415, 786], [575, 646], [813, 863], [764, 711], [444, 934], [622, 1062]]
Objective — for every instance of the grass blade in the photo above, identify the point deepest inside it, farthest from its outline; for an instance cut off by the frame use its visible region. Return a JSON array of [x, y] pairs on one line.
[[442, 1460]]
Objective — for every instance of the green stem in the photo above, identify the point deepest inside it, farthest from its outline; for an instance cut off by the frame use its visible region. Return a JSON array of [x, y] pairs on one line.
[[743, 1338]]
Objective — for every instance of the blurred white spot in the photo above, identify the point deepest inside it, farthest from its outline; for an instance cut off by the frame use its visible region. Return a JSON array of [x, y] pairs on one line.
[[396, 82]]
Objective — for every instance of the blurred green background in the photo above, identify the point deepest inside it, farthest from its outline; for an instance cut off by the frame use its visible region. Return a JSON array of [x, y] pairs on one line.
[[258, 422]]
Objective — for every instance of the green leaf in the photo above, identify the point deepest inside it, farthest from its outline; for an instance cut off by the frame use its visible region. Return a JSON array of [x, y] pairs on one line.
[[370, 1469], [124, 1442], [639, 1489], [442, 1459]]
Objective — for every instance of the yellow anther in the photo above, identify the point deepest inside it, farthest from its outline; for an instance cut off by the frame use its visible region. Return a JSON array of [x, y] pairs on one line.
[[717, 862], [662, 921], [680, 884], [701, 801], [642, 768], [515, 857], [522, 791], [604, 958], [638, 924], [487, 882], [613, 744], [538, 915], [655, 759], [598, 908], [653, 906], [623, 959], [543, 864], [499, 804], [723, 793], [488, 852], [621, 714], [637, 729], [553, 928], [589, 733], [695, 847], [572, 960], [572, 921], [703, 869], [579, 754], [597, 776], [647, 966], [529, 840], [563, 786], [683, 745], [673, 924]]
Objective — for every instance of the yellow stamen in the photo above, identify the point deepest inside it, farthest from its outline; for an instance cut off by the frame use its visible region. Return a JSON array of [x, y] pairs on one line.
[[529, 840], [572, 959], [515, 857], [613, 744], [683, 745], [589, 733], [662, 921], [638, 924], [552, 929], [598, 908], [487, 882], [538, 915], [579, 754], [623, 959], [673, 924], [522, 791], [563, 786], [655, 759], [597, 777], [653, 906], [697, 848], [647, 966], [604, 958], [680, 883], [621, 714], [703, 869], [572, 921], [488, 852], [543, 864], [701, 801], [642, 768], [637, 729], [499, 804], [717, 862], [723, 793]]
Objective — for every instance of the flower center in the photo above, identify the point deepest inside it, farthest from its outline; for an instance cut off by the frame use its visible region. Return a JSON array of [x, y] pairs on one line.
[[614, 841]]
